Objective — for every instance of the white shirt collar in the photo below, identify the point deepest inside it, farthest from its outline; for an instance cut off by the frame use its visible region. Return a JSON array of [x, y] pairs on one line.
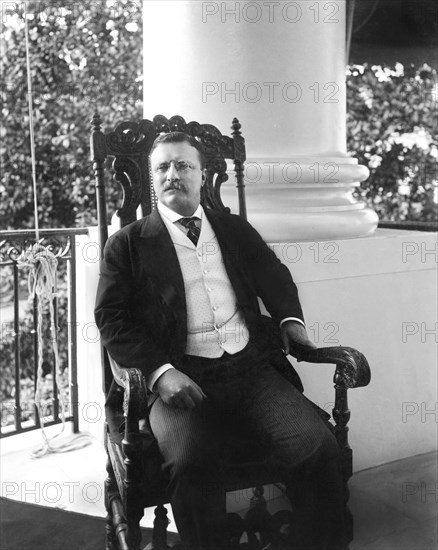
[[173, 216]]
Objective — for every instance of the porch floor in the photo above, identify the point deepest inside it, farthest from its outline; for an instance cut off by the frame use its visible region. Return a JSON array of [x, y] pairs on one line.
[[394, 505]]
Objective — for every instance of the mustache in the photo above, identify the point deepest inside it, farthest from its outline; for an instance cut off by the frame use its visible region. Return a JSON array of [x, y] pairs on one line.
[[174, 185]]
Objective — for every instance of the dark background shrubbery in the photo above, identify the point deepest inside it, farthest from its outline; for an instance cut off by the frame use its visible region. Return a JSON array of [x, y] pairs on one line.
[[391, 128], [84, 60]]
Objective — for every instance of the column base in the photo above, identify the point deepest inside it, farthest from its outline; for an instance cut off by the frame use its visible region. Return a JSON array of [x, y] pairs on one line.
[[304, 199], [314, 226], [277, 220]]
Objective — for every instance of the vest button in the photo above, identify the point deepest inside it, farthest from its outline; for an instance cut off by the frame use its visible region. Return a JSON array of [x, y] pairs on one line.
[[215, 308]]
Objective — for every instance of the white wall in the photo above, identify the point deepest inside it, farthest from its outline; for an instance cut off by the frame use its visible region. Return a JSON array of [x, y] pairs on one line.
[[91, 397], [379, 297], [361, 293]]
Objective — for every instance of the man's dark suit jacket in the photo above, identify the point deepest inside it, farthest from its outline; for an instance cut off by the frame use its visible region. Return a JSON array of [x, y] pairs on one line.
[[141, 308]]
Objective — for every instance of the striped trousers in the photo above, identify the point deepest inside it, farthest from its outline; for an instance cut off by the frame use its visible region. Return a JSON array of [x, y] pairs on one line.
[[249, 404]]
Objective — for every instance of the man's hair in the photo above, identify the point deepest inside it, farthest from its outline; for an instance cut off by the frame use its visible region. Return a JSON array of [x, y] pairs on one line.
[[179, 137]]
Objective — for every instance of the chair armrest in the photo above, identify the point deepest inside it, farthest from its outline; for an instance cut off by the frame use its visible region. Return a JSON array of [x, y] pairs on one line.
[[135, 394], [352, 368]]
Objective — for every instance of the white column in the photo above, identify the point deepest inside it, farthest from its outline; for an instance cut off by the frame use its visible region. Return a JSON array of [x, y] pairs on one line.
[[280, 68]]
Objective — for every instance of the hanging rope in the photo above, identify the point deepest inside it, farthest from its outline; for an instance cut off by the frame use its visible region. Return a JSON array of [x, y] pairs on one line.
[[42, 265], [31, 126]]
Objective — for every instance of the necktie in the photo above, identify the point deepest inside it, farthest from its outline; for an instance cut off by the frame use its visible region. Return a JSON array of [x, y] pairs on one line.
[[193, 230]]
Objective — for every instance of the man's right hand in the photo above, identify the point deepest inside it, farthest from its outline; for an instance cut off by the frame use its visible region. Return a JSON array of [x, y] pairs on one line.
[[179, 391]]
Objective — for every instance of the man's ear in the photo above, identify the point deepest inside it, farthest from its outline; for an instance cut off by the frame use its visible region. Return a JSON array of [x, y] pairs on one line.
[[204, 177]]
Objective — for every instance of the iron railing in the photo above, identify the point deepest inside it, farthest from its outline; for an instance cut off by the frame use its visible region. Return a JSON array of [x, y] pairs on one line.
[[19, 333]]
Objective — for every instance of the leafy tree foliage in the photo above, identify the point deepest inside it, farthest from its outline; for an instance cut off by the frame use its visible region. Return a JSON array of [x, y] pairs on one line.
[[83, 56], [392, 121]]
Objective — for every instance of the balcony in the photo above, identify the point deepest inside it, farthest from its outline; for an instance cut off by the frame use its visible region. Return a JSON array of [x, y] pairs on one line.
[[24, 334], [377, 294]]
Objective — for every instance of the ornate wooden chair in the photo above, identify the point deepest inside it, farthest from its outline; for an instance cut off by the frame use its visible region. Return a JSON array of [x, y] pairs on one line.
[[133, 464]]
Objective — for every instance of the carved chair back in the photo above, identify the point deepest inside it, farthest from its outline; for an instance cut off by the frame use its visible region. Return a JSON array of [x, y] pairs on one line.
[[130, 143]]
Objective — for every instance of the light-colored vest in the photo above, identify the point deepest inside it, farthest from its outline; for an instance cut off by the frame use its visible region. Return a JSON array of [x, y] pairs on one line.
[[214, 324]]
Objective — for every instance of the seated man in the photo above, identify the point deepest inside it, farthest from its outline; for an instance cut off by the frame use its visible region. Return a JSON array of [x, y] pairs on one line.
[[177, 299]]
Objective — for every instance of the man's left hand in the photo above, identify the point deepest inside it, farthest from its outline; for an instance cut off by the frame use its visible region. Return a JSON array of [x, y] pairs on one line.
[[292, 333]]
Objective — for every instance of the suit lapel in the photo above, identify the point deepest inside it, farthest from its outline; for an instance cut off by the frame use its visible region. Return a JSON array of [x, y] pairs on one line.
[[159, 262], [230, 251], [234, 244]]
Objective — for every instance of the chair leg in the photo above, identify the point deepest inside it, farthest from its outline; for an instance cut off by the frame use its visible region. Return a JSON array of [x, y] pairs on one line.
[[120, 533], [133, 537], [110, 535], [341, 416], [347, 468], [159, 534], [349, 526], [258, 519], [111, 492], [134, 512]]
